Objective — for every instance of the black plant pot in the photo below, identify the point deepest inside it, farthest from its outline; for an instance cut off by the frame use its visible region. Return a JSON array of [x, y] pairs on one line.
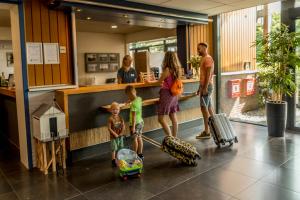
[[276, 118]]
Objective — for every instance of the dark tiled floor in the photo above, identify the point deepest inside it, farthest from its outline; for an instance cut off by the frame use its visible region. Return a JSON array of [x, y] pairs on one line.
[[257, 167]]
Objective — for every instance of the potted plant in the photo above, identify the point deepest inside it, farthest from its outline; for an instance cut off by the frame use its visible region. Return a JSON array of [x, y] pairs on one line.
[[195, 63], [277, 61]]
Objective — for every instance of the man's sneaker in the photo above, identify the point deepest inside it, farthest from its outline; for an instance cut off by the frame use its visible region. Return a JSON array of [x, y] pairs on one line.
[[203, 135], [113, 163]]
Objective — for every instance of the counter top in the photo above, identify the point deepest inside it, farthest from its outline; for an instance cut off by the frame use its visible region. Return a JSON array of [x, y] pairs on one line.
[[110, 87], [8, 92]]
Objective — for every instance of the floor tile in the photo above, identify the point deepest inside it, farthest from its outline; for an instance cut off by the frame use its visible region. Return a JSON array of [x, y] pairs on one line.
[[226, 181], [91, 174], [118, 190], [4, 186], [266, 155], [51, 188], [193, 190], [249, 167], [155, 198], [80, 197], [293, 163], [286, 178], [263, 191], [8, 196], [165, 175]]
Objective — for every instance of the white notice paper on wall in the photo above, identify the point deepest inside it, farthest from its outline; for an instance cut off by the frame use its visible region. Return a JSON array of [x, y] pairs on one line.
[[51, 53], [34, 53]]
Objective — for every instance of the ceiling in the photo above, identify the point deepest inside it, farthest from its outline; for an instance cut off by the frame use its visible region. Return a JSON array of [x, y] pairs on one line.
[[4, 18], [105, 27], [210, 7]]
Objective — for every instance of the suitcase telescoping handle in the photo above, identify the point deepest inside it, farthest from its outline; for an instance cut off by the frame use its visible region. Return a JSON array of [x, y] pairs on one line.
[[151, 141]]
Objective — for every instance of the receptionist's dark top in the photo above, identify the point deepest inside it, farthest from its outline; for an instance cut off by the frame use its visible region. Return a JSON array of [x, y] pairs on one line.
[[127, 77]]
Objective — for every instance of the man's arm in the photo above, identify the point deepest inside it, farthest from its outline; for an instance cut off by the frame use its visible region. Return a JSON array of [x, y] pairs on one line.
[[207, 77]]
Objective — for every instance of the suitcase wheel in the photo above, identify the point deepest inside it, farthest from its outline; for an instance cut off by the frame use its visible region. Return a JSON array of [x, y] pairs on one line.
[[230, 143], [236, 140]]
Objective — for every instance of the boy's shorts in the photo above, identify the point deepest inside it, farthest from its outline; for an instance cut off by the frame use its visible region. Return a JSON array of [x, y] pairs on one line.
[[117, 143], [138, 129], [206, 100]]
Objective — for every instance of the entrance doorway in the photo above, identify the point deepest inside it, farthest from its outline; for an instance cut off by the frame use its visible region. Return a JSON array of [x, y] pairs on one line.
[[13, 86]]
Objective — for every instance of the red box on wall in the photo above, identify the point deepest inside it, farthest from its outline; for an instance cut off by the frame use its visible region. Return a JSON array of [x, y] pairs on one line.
[[234, 88], [248, 87]]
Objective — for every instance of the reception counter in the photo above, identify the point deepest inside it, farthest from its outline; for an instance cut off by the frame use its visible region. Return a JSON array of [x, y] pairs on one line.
[[8, 117], [87, 117], [10, 92]]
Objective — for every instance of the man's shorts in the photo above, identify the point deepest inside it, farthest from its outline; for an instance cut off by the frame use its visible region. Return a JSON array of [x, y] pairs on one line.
[[117, 143], [138, 129], [205, 100]]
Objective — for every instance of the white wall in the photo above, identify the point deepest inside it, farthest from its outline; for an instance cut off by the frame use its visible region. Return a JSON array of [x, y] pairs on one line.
[[5, 47], [98, 43], [5, 33]]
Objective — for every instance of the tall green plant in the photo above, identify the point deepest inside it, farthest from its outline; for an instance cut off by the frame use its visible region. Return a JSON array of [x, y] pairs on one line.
[[277, 61]]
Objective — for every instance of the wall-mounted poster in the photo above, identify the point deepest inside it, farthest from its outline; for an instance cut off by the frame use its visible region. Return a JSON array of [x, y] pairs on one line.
[[92, 67], [34, 51], [103, 57], [10, 59], [113, 57], [91, 57], [113, 66], [101, 62], [51, 53], [103, 67]]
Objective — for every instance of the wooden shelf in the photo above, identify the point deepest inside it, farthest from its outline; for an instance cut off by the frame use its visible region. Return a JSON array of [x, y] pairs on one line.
[[148, 102]]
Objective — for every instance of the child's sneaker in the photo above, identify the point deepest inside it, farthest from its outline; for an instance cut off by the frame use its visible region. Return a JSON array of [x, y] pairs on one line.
[[141, 156], [203, 135], [113, 163]]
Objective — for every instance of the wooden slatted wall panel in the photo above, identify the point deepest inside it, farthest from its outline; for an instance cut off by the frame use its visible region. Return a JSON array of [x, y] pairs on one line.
[[200, 33], [237, 34], [29, 38], [45, 25]]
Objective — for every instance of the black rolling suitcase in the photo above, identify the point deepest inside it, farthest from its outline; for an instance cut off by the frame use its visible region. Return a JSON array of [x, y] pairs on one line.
[[177, 148], [222, 130]]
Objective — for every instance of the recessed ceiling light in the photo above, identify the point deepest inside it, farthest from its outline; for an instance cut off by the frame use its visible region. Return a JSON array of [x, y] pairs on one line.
[[78, 9], [88, 18], [114, 26]]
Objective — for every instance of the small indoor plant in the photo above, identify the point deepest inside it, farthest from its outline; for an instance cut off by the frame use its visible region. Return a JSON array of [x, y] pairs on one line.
[[195, 63], [277, 61]]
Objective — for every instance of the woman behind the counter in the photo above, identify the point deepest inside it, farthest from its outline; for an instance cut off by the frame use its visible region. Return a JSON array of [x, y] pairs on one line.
[[127, 74]]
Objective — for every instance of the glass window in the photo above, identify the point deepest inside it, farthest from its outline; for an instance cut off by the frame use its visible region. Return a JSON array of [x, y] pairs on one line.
[[154, 45], [297, 3], [155, 49]]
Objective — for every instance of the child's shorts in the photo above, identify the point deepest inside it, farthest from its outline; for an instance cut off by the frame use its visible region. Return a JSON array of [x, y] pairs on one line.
[[117, 144], [138, 129]]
